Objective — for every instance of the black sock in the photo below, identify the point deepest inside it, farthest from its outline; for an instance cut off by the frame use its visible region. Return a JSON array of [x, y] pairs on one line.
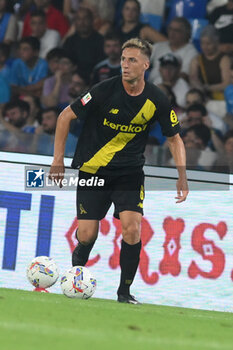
[[129, 260], [81, 254]]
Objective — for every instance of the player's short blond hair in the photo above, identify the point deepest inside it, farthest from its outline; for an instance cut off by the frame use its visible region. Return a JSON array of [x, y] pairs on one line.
[[143, 45]]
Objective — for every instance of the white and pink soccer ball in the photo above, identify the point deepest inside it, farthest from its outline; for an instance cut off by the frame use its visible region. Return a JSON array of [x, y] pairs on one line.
[[42, 272], [78, 282]]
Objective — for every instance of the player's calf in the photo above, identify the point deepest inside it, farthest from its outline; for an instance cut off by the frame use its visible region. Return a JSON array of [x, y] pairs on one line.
[[81, 252]]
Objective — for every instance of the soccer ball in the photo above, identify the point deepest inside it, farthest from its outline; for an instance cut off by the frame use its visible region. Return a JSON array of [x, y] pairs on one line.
[[42, 272], [78, 282]]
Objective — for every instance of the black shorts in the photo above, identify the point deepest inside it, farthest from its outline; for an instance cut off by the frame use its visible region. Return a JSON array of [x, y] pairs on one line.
[[125, 191]]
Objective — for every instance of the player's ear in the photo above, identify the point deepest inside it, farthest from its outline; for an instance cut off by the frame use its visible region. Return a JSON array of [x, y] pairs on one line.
[[147, 65]]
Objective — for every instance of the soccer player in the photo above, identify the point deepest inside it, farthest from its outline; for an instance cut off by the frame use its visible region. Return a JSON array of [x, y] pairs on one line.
[[117, 115]]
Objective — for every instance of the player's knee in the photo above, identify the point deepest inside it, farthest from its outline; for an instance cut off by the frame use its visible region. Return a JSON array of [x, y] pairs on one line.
[[86, 236], [131, 232]]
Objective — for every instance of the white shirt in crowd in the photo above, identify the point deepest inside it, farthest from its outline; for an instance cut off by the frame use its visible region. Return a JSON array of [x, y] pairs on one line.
[[180, 90], [153, 6], [49, 41], [186, 53]]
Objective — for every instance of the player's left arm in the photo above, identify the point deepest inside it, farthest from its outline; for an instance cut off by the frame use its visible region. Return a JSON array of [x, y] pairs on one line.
[[177, 150]]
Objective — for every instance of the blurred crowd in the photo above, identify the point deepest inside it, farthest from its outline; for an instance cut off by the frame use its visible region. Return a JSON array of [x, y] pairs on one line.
[[51, 51]]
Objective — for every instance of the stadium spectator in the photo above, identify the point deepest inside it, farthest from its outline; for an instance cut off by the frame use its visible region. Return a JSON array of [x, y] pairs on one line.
[[49, 120], [131, 26], [179, 32], [4, 66], [55, 89], [156, 136], [221, 18], [170, 66], [171, 97], [195, 114], [45, 134], [29, 71], [111, 66], [196, 96], [153, 6], [5, 92], [15, 116], [53, 57], [197, 136], [54, 18], [228, 94], [24, 7], [8, 24], [213, 4], [86, 45], [199, 155], [70, 7], [49, 38], [210, 70], [78, 85], [103, 13], [224, 162], [34, 118]]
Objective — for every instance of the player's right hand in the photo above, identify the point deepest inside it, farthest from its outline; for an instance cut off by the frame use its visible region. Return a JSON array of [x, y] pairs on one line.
[[57, 172]]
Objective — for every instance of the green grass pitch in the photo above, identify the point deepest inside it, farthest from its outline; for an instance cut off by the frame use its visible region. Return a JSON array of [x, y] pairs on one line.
[[33, 321]]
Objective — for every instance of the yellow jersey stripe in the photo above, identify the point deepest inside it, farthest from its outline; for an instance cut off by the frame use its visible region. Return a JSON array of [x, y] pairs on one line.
[[118, 142]]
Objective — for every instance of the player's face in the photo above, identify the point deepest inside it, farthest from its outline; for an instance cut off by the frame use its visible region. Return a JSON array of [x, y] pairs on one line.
[[133, 64]]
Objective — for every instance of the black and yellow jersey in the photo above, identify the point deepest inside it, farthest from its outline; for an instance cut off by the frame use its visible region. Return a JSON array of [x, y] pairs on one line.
[[116, 126]]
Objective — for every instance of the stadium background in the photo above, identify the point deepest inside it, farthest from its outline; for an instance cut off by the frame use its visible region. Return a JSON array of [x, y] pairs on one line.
[[187, 249], [187, 256]]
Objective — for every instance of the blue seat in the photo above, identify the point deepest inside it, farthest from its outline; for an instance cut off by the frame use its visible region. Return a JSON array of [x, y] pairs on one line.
[[155, 21], [197, 25], [187, 9]]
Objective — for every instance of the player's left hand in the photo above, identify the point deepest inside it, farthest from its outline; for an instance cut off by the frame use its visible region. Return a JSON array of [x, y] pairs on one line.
[[182, 190]]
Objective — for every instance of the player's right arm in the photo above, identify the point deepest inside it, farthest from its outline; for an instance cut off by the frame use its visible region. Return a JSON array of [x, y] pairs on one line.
[[62, 129]]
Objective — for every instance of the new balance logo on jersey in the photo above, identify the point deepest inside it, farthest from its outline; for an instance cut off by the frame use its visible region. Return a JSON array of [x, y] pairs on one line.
[[125, 128], [114, 111]]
